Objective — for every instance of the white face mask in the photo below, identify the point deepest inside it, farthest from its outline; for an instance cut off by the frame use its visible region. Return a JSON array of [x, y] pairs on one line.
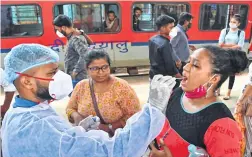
[[61, 86], [232, 25], [60, 34], [173, 33]]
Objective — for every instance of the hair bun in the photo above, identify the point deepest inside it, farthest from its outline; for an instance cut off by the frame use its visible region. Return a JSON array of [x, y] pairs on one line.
[[238, 60]]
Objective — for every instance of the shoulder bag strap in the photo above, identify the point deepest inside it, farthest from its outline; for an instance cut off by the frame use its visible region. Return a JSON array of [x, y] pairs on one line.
[[227, 30], [239, 32], [94, 101]]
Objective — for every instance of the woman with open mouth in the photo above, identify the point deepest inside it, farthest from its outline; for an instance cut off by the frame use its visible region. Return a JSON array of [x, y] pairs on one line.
[[194, 114]]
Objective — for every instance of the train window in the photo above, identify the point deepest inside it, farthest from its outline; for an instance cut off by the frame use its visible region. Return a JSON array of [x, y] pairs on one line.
[[92, 18], [173, 10], [21, 20], [217, 16], [150, 11]]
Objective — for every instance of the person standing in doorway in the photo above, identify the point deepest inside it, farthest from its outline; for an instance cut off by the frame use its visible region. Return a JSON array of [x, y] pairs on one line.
[[77, 47], [160, 50], [232, 38], [179, 42]]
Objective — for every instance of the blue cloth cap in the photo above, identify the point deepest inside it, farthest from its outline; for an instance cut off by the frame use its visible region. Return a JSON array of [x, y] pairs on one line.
[[27, 56]]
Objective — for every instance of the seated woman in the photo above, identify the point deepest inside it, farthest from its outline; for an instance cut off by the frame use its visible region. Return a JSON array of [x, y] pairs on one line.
[[115, 99], [112, 22], [194, 114]]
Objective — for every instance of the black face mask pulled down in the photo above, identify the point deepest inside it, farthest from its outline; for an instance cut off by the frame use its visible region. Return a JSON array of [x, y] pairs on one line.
[[43, 92]]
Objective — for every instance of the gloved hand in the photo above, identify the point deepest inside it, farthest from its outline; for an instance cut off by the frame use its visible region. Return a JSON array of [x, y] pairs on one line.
[[90, 123], [160, 91]]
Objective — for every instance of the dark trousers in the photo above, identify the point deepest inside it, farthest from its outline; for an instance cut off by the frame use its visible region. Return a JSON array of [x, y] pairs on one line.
[[231, 82]]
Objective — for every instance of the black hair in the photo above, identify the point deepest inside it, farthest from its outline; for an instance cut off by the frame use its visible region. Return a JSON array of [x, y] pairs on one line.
[[237, 17], [110, 12], [62, 20], [164, 20], [137, 8], [184, 16], [226, 62], [94, 54]]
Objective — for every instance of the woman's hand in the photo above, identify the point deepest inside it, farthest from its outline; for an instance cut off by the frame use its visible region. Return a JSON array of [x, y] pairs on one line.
[[160, 153], [238, 108], [76, 118], [73, 75], [179, 64], [193, 48], [236, 47]]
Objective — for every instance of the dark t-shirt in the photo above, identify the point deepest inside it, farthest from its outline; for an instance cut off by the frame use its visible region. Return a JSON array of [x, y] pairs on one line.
[[160, 55], [192, 126], [212, 128]]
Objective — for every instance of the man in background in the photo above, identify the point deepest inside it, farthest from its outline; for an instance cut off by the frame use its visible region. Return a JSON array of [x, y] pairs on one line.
[[160, 50], [77, 47], [179, 43]]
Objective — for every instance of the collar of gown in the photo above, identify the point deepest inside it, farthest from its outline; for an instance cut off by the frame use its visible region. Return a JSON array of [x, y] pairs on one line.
[[20, 102]]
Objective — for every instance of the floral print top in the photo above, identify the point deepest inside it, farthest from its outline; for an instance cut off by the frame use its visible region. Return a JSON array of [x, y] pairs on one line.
[[118, 103]]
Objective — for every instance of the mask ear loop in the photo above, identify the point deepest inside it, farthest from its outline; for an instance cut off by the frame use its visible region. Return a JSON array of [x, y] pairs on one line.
[[210, 85], [53, 98], [208, 90], [39, 78]]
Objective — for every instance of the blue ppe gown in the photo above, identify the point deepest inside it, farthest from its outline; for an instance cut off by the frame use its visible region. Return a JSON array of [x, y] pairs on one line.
[[35, 130]]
